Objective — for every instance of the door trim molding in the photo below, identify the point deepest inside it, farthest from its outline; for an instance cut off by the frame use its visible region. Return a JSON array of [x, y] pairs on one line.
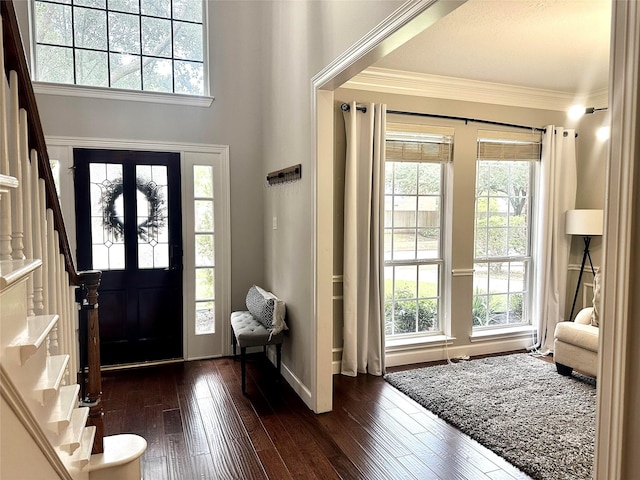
[[618, 393], [65, 145], [403, 24]]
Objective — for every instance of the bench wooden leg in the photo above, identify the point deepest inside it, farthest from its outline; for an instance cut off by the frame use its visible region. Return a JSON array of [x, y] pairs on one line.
[[233, 342], [278, 356], [243, 355]]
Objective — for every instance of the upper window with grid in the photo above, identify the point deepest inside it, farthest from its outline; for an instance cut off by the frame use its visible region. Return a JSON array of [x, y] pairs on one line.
[[150, 45]]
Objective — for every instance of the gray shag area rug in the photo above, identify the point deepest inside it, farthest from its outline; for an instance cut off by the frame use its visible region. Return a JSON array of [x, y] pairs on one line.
[[515, 405]]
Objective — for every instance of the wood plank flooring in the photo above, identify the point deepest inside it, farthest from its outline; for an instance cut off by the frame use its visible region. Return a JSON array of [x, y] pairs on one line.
[[199, 425]]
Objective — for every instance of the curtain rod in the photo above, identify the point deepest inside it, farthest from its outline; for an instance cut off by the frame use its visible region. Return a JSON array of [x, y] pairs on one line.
[[346, 107]]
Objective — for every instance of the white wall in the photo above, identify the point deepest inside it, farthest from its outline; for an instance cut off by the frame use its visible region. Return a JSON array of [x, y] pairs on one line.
[[236, 51], [302, 38]]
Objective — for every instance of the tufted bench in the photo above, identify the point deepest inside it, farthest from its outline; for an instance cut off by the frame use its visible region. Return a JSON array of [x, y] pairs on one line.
[[261, 325]]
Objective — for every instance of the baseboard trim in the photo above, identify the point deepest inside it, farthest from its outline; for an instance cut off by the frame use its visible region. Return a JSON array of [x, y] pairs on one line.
[[443, 352], [298, 386]]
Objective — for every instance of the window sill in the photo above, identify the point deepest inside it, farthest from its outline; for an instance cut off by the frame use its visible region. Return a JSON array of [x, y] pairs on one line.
[[415, 343], [502, 333], [45, 88]]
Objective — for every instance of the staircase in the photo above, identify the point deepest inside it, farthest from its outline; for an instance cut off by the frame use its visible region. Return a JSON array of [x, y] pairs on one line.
[[50, 427], [54, 441]]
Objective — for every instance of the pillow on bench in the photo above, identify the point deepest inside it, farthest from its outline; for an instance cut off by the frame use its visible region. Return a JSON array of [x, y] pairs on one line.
[[268, 309]]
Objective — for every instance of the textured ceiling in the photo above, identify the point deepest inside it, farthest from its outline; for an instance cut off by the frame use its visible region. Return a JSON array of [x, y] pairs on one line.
[[560, 45]]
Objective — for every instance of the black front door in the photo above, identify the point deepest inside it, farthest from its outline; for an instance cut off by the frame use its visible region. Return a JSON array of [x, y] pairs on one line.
[[129, 226]]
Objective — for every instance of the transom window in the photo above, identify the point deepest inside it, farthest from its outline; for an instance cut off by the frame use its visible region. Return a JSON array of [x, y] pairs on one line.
[[152, 45], [503, 229], [415, 165]]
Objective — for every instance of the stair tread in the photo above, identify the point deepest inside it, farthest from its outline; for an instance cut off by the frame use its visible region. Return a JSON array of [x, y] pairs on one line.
[[52, 375], [32, 337], [72, 437], [82, 455], [7, 182], [66, 402], [13, 270]]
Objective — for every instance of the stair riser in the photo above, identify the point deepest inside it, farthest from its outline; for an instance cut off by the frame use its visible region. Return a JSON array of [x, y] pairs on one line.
[[13, 311]]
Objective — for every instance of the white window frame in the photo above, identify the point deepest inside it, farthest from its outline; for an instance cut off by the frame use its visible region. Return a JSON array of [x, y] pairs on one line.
[[528, 259], [420, 134]]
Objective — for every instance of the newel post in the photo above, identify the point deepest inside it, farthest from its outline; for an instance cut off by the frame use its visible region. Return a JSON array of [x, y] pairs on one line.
[[92, 396]]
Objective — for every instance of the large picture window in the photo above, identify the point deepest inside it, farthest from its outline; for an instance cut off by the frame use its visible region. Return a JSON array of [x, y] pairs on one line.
[[151, 45], [505, 177], [415, 165]]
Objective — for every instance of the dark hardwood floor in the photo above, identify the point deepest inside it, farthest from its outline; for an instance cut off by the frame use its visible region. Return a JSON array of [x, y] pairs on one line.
[[198, 425]]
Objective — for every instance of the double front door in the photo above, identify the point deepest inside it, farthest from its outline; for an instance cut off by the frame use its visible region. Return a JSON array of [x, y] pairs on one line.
[[129, 226]]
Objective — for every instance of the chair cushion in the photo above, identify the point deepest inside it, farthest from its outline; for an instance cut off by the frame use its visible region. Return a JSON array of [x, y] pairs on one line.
[[249, 332], [583, 336], [268, 309]]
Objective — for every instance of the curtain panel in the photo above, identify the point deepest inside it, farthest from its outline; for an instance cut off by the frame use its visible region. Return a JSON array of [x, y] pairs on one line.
[[363, 268], [556, 194]]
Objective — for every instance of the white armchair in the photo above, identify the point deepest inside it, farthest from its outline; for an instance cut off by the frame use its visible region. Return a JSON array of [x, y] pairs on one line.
[[576, 345]]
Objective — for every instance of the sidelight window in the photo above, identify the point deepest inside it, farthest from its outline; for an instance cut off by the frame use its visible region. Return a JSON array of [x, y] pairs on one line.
[[204, 249]]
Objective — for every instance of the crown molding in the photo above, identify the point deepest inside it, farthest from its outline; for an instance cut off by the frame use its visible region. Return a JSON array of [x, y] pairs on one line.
[[399, 82]]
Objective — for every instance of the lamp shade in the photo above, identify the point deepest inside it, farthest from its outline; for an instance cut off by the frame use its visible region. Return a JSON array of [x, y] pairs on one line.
[[583, 222]]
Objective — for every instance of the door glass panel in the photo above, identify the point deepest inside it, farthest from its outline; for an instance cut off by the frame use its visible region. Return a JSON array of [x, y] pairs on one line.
[[107, 216], [151, 196], [203, 181], [205, 318], [204, 284], [204, 250], [204, 215]]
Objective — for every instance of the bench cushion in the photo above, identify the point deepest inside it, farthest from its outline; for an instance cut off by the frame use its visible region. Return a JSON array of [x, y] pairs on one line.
[[249, 332], [268, 309]]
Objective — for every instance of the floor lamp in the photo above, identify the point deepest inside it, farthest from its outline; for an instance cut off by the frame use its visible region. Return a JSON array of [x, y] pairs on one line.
[[587, 224]]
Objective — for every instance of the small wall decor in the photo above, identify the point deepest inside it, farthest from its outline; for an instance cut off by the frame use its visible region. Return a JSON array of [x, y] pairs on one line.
[[286, 175]]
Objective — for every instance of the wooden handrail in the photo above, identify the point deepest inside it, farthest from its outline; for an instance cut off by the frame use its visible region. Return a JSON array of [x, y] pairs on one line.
[[15, 60], [93, 393]]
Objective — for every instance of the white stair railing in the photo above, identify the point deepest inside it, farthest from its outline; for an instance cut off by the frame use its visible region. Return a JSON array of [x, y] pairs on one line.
[[31, 224]]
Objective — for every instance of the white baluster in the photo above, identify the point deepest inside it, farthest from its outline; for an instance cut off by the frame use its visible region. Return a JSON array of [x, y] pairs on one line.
[[38, 240], [45, 246], [63, 324], [17, 230], [27, 202], [5, 201], [72, 315], [52, 281]]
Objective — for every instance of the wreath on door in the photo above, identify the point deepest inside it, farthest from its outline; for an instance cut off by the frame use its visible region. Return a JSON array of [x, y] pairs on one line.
[[155, 220]]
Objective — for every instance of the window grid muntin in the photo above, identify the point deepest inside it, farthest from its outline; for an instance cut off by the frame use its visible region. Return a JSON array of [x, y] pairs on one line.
[[422, 303], [71, 4], [482, 302]]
